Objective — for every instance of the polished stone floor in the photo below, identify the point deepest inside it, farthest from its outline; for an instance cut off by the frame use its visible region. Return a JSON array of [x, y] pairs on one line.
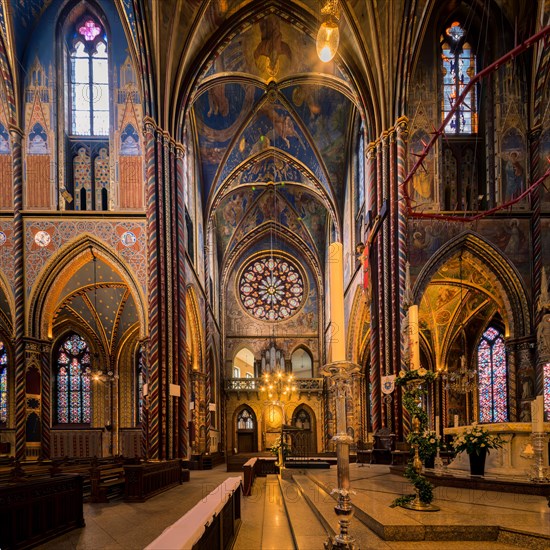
[[119, 525]]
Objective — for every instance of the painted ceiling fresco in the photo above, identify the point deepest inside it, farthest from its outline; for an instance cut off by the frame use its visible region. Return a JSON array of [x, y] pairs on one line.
[[25, 15], [100, 301], [267, 110], [447, 305]]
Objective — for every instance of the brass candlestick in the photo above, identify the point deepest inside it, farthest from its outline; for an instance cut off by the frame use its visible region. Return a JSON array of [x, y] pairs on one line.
[[341, 372]]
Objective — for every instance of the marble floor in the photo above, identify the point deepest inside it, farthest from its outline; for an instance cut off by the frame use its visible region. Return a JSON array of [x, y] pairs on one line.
[[119, 525]]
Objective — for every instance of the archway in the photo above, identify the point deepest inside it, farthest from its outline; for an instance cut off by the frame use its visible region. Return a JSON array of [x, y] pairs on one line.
[[304, 443], [246, 430]]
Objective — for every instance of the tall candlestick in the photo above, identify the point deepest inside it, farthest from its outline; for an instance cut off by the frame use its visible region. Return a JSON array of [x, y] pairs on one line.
[[414, 340], [336, 273], [537, 414]]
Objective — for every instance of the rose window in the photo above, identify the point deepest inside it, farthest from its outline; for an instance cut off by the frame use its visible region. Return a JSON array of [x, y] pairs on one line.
[[271, 289]]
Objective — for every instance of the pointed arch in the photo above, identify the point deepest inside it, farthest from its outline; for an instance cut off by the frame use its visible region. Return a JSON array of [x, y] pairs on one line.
[[358, 326], [517, 316], [195, 331], [46, 292]]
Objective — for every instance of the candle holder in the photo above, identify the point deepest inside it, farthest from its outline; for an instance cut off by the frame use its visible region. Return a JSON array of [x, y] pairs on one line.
[[341, 372], [438, 462], [538, 474]]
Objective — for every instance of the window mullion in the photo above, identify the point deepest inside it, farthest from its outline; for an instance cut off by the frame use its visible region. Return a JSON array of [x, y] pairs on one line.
[[90, 93]]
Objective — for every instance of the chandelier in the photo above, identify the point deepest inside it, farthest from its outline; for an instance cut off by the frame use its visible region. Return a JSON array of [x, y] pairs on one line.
[[328, 36], [280, 383], [462, 380]]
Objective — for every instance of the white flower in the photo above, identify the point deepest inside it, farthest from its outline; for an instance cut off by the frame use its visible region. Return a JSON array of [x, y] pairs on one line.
[[432, 440], [402, 373], [483, 444], [422, 371]]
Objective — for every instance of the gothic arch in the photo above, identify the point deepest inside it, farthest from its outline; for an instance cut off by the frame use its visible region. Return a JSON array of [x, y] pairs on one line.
[[358, 338], [195, 336], [517, 316], [45, 295]]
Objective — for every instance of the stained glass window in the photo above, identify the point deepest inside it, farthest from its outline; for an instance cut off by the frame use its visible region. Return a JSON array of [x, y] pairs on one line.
[[73, 382], [89, 81], [3, 385], [546, 390], [492, 373], [245, 420], [458, 68], [271, 288], [141, 380]]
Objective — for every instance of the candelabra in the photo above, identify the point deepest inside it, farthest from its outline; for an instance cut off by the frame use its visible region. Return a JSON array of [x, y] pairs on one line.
[[438, 462], [340, 372], [539, 474], [462, 380], [281, 384]]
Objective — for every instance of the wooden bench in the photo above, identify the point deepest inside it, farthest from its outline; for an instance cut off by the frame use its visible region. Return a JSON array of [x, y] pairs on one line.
[[401, 453], [151, 478], [106, 480], [34, 511]]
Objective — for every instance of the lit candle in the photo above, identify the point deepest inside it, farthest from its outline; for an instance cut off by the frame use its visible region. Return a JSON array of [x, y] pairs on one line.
[[537, 414], [414, 341], [336, 274]]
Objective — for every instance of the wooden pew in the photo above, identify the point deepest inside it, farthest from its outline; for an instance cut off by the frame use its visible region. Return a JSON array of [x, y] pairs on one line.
[[105, 480], [34, 511], [151, 478]]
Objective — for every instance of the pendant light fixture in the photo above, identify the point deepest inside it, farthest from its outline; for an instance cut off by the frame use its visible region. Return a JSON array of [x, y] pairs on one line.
[[328, 36]]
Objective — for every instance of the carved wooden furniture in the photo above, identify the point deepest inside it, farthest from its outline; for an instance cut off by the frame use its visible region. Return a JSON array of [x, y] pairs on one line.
[[32, 512]]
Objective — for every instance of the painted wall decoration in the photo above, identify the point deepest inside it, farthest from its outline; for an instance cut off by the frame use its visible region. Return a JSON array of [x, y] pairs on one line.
[[6, 183], [131, 189], [6, 252], [40, 137], [513, 164], [421, 190], [61, 232]]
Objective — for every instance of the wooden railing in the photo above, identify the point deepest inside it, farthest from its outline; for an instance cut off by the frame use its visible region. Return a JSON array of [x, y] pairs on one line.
[[212, 523], [148, 479], [85, 443], [257, 467], [32, 512]]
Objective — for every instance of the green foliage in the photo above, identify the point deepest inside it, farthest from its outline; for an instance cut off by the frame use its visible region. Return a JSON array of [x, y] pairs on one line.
[[413, 382], [287, 451], [476, 438]]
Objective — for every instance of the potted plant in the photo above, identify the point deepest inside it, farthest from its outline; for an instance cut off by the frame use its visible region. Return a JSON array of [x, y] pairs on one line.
[[476, 441]]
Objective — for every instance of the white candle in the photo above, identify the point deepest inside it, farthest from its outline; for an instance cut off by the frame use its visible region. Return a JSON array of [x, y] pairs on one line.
[[537, 414], [437, 426], [336, 273], [456, 420], [414, 340]]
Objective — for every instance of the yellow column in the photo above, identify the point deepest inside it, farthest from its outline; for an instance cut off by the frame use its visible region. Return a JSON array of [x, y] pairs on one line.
[[336, 274], [414, 339]]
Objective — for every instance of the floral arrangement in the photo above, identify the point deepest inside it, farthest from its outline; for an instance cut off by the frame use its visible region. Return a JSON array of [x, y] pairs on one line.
[[427, 442], [421, 374], [285, 447], [476, 438]]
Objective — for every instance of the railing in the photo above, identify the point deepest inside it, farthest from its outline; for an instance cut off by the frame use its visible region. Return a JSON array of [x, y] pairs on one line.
[[146, 480], [254, 384]]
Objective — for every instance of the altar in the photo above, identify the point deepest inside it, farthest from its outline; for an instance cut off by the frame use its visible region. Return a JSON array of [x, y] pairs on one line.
[[510, 459]]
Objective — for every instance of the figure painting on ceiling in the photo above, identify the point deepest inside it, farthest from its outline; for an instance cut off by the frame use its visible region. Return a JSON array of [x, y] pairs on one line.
[[513, 171], [272, 47]]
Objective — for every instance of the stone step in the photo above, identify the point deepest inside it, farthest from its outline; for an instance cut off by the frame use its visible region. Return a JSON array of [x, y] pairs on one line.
[[372, 508], [308, 530], [323, 505], [276, 532]]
